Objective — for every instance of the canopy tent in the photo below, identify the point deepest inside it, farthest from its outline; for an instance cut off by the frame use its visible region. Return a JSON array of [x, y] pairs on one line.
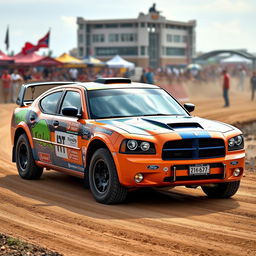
[[236, 59], [70, 61], [4, 59], [119, 62], [93, 62], [33, 59]]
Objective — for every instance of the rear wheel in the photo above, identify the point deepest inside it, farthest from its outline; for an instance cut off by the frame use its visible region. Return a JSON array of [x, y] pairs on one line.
[[222, 190], [103, 179], [25, 163]]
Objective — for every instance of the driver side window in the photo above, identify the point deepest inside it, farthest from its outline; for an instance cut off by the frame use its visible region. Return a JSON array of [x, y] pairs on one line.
[[72, 99]]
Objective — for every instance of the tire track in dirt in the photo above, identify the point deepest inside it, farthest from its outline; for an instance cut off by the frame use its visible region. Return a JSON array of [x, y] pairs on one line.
[[58, 213]]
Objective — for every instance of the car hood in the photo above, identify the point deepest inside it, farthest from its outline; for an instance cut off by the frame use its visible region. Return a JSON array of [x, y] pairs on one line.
[[160, 125]]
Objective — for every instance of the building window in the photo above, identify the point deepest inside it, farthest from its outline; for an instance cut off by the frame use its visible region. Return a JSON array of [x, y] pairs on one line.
[[81, 51], [110, 51], [169, 38], [128, 37], [98, 38], [142, 25], [80, 26], [80, 38], [184, 39], [175, 51], [114, 25], [113, 37], [126, 25], [98, 26], [142, 50], [177, 38]]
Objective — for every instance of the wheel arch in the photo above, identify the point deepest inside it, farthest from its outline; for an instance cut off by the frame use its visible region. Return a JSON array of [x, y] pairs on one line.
[[21, 129], [92, 148]]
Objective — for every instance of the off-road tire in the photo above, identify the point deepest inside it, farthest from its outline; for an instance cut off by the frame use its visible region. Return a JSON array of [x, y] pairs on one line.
[[25, 162], [222, 190], [114, 193], [86, 179]]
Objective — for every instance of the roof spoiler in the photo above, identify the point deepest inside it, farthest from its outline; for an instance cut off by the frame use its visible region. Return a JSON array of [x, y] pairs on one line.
[[21, 101], [115, 80]]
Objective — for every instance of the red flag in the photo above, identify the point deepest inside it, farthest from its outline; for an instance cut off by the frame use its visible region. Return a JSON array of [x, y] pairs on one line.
[[28, 48], [44, 41]]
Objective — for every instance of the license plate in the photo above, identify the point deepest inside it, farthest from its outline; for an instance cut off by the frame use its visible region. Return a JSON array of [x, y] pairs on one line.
[[199, 169]]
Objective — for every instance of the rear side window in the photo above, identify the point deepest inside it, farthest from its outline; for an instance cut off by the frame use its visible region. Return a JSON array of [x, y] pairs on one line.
[[49, 103], [72, 99]]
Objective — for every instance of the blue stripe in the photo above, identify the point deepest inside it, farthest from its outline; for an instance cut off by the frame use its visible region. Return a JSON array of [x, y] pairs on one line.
[[194, 135]]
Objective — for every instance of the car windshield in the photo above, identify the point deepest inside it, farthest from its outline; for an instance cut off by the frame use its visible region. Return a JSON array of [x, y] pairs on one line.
[[113, 103]]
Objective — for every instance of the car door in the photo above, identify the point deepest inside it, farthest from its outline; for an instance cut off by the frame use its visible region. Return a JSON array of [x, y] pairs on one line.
[[67, 137]]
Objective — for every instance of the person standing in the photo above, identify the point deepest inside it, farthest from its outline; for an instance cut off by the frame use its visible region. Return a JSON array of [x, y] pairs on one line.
[[226, 85], [242, 76], [150, 76], [16, 81], [6, 84], [253, 84]]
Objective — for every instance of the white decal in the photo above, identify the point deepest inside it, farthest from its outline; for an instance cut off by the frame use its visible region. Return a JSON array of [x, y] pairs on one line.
[[65, 139]]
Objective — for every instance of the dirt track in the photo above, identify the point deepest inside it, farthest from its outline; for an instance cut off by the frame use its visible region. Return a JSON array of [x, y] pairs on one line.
[[56, 212]]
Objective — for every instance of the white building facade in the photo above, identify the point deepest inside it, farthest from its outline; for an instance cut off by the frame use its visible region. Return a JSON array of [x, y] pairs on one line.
[[149, 41]]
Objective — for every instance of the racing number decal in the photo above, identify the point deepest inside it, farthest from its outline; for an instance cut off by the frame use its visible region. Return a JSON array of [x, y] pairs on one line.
[[65, 139]]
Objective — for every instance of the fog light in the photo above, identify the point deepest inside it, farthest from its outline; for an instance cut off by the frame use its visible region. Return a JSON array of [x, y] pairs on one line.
[[138, 177], [236, 172]]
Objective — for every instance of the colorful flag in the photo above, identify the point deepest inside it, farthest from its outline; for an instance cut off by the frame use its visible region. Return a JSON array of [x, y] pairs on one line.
[[6, 41], [29, 48], [44, 41]]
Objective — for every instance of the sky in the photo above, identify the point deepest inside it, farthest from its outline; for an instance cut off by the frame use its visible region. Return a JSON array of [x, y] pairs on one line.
[[221, 24]]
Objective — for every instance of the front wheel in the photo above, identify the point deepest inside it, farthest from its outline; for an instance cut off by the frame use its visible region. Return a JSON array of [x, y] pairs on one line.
[[222, 190], [103, 179], [25, 163]]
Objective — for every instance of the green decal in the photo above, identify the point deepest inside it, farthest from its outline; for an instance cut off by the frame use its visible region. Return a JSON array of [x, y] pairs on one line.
[[21, 116], [41, 131]]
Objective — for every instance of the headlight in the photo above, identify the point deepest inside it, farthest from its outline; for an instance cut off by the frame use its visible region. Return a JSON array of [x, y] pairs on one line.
[[236, 143], [137, 147]]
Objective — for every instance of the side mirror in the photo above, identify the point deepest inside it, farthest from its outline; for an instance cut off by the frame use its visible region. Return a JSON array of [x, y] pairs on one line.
[[189, 107], [70, 111]]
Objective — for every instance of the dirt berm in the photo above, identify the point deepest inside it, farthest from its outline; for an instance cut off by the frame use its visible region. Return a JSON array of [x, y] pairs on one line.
[[58, 213]]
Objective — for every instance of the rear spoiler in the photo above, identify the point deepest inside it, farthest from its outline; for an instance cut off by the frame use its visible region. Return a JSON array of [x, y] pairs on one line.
[[24, 100]]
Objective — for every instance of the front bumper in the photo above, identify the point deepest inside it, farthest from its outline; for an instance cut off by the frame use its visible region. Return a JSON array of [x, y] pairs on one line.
[[175, 173]]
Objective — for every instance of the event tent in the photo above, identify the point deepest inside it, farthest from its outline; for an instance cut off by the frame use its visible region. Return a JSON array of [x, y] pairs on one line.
[[32, 59], [236, 59], [4, 59], [119, 62], [70, 61], [91, 61]]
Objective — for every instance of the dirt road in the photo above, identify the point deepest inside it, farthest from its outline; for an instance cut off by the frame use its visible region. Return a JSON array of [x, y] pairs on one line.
[[56, 212]]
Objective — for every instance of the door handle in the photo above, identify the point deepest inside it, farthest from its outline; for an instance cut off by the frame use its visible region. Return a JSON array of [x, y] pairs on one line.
[[56, 123]]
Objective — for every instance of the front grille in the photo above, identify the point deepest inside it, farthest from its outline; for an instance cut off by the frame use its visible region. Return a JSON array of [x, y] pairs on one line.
[[196, 148]]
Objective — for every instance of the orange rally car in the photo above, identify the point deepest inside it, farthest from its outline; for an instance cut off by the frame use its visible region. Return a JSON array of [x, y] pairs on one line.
[[119, 135]]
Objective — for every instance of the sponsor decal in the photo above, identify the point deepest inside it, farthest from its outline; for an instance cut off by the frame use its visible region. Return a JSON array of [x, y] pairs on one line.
[[73, 127], [234, 162], [41, 131], [64, 139], [21, 116], [73, 155], [75, 167], [153, 167], [44, 157], [85, 133]]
